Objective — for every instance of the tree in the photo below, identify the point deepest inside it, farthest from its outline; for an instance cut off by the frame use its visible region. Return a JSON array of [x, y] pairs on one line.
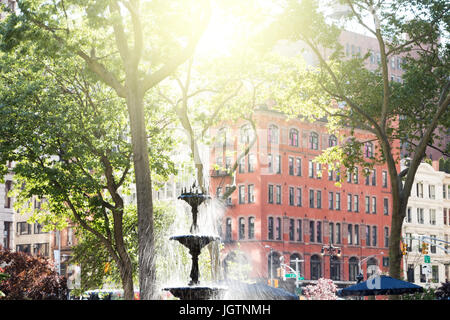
[[129, 56], [443, 292], [391, 111], [30, 277], [67, 135]]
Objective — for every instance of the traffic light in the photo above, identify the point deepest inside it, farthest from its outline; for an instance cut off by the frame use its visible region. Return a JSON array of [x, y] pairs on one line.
[[424, 248], [279, 272], [272, 282], [404, 247], [275, 283]]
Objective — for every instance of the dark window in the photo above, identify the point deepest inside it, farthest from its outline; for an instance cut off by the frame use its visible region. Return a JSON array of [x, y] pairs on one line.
[[23, 228], [386, 237], [314, 141], [299, 230], [8, 185], [356, 203], [291, 229], [251, 193], [368, 149], [310, 169], [319, 231], [338, 201], [367, 235], [291, 196], [332, 141], [278, 194], [353, 269], [338, 233], [299, 197], [270, 195], [319, 199], [293, 137], [291, 166], [350, 234], [384, 179], [331, 231], [316, 269], [278, 228], [251, 162], [228, 230], [330, 200], [251, 227], [311, 231], [335, 268], [299, 166], [311, 198], [386, 206], [241, 194], [270, 229], [38, 228], [241, 228]]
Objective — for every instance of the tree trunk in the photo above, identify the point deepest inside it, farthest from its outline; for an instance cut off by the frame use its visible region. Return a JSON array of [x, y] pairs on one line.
[[126, 275], [147, 272]]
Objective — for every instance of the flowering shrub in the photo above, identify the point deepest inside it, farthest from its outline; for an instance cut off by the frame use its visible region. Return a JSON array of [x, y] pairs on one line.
[[325, 289], [3, 276], [30, 277]]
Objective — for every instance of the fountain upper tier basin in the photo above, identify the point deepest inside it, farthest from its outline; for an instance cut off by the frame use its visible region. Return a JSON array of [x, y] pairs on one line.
[[194, 199], [194, 241]]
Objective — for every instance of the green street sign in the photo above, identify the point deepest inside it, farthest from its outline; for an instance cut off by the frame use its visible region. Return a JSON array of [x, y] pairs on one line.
[[290, 275], [426, 259], [301, 278]]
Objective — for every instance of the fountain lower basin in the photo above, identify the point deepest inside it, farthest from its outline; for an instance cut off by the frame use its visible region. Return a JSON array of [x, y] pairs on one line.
[[197, 292]]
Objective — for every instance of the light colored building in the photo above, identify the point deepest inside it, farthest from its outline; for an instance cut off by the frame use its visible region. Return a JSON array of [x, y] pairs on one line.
[[427, 221], [6, 213]]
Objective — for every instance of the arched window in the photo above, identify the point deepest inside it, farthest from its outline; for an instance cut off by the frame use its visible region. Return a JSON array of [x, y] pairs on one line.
[[273, 262], [222, 136], [372, 267], [293, 137], [228, 230], [270, 228], [251, 227], [332, 141], [368, 150], [316, 268], [272, 134], [353, 269], [335, 268], [246, 134], [241, 228], [314, 141]]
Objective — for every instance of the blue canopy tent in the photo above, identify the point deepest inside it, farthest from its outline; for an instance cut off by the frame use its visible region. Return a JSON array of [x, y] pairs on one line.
[[380, 285]]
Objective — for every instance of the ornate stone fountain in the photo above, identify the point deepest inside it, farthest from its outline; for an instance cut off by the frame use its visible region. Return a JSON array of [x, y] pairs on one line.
[[195, 242]]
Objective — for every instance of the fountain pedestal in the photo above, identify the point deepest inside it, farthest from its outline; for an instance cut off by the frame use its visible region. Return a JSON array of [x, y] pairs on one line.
[[195, 243]]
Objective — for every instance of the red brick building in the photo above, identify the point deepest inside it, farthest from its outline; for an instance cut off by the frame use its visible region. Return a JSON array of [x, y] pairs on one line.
[[287, 206]]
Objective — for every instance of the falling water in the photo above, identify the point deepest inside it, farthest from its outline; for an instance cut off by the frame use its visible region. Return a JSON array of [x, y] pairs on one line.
[[173, 259]]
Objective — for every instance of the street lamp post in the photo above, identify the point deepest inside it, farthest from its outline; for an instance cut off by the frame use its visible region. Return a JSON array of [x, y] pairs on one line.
[[332, 252], [360, 276], [271, 263]]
